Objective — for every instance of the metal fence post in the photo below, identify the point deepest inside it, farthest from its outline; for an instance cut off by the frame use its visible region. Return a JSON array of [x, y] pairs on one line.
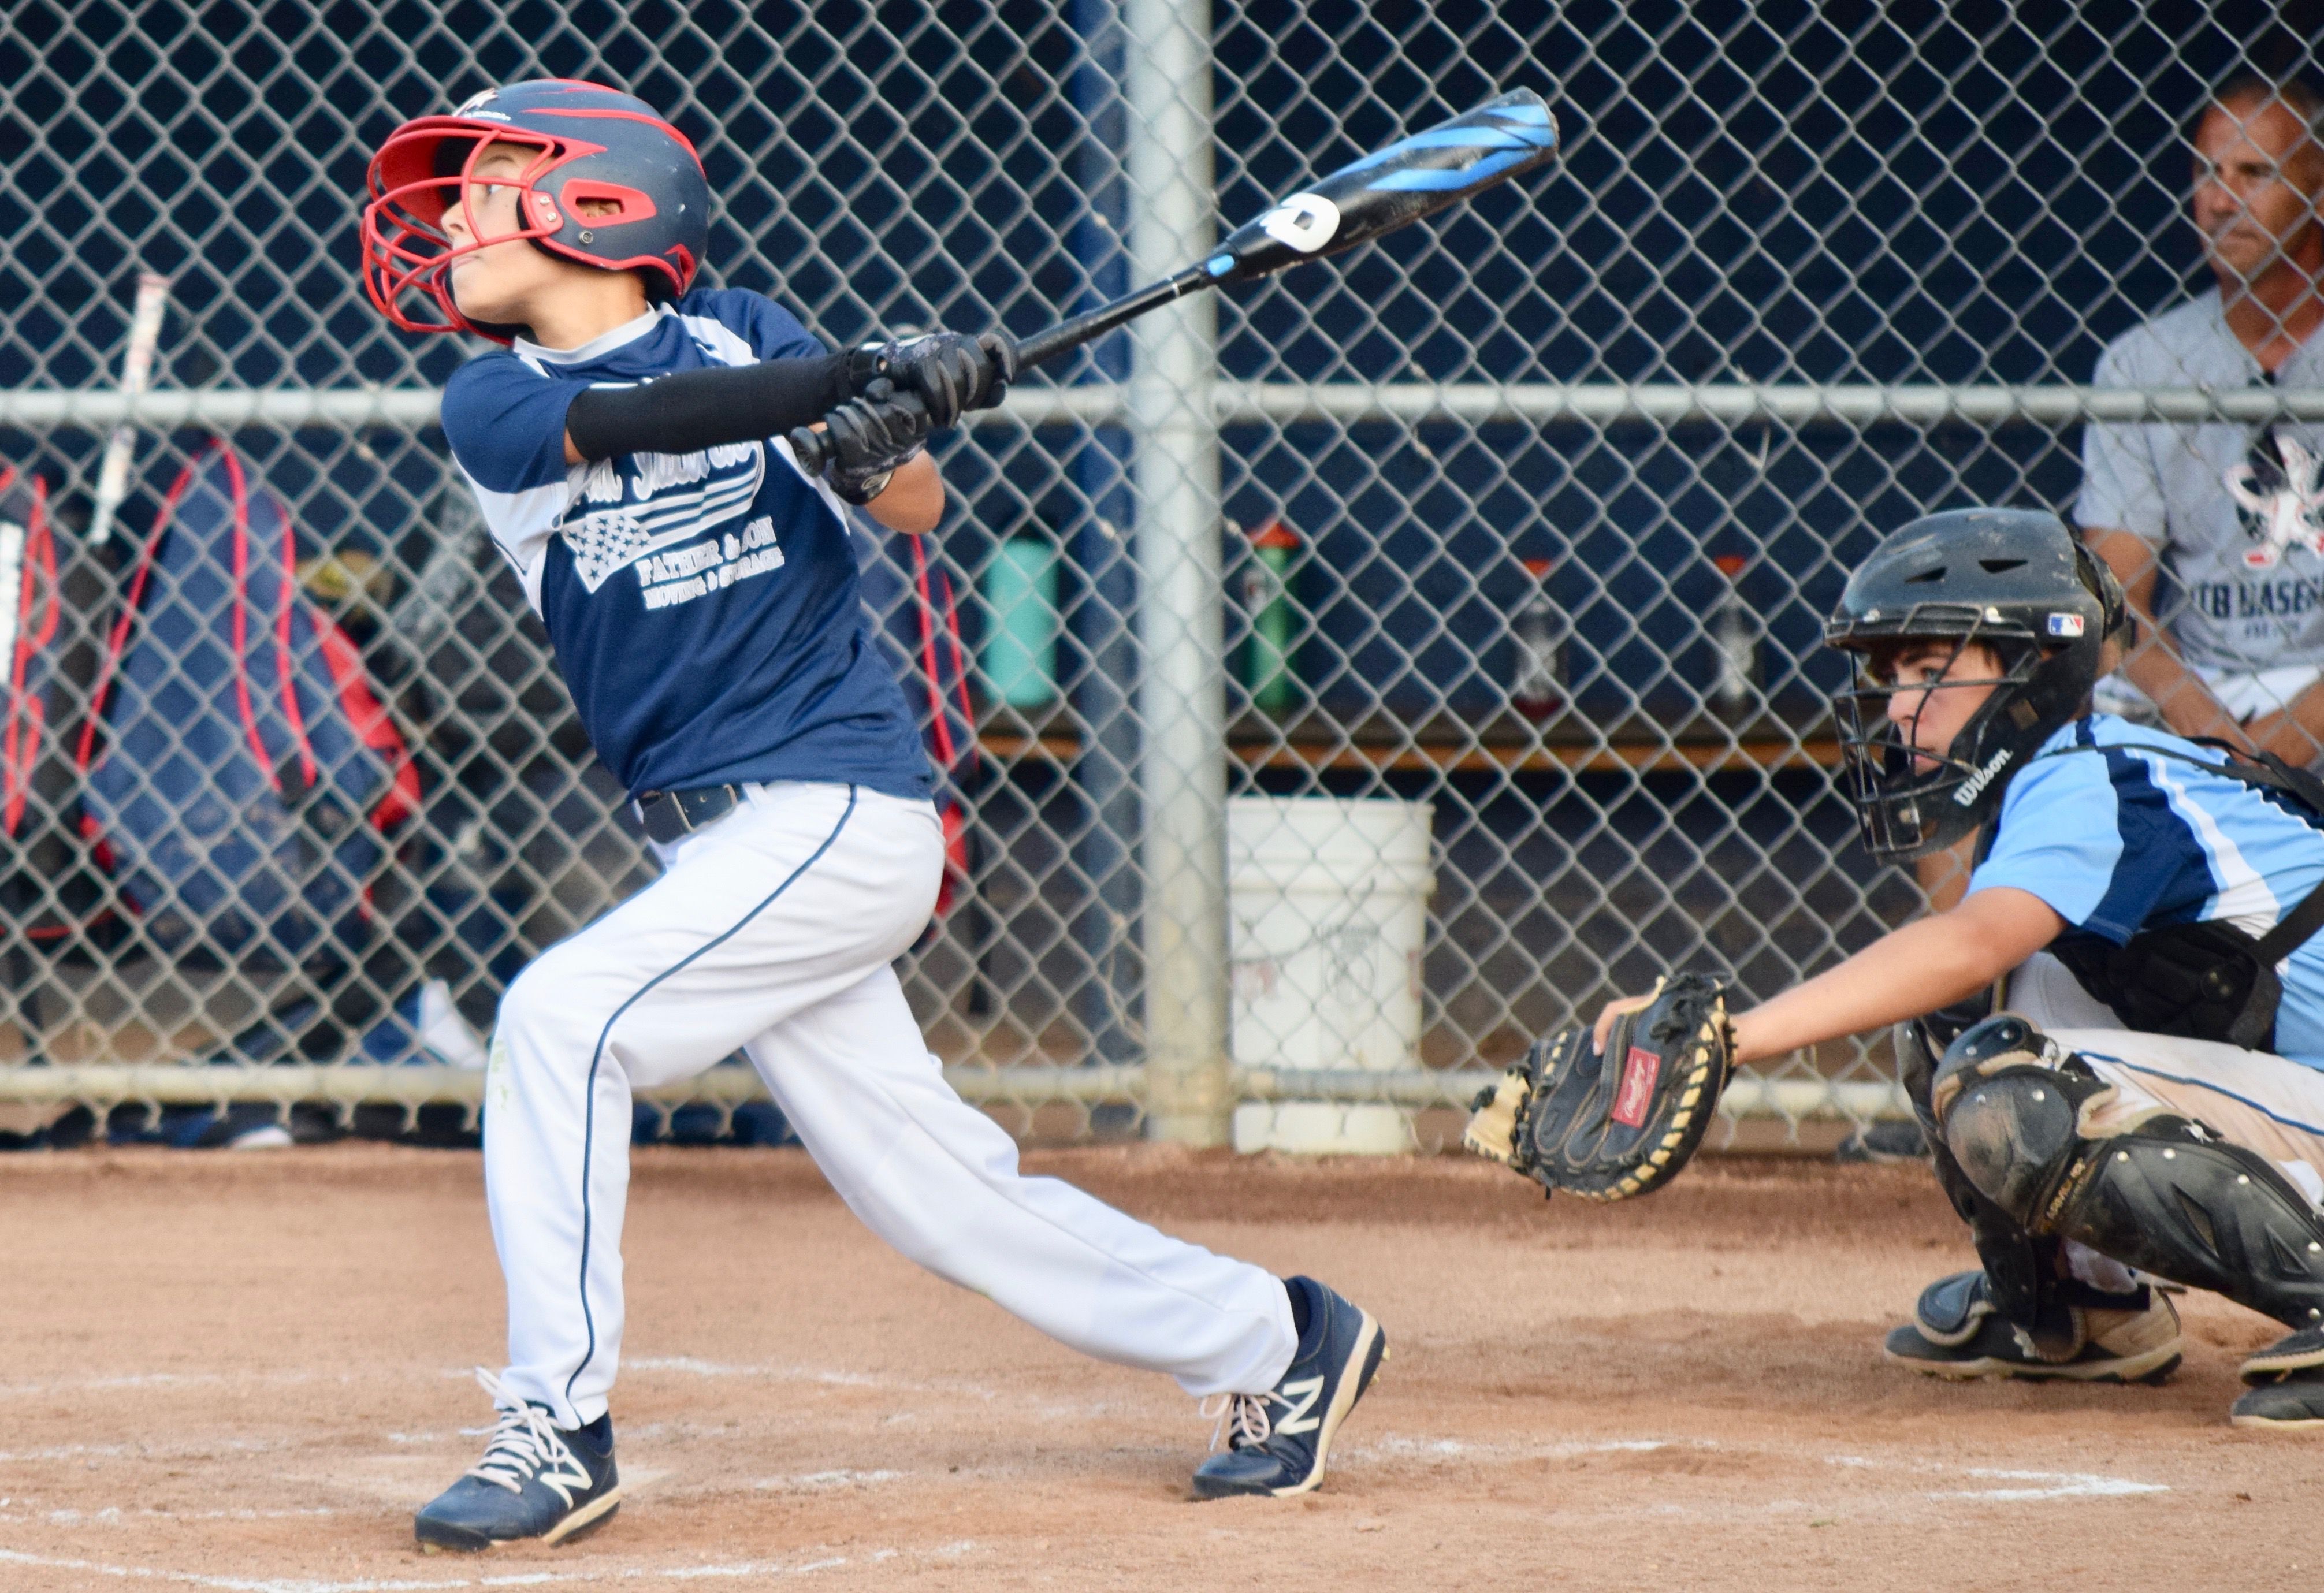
[[1176, 472], [1107, 924]]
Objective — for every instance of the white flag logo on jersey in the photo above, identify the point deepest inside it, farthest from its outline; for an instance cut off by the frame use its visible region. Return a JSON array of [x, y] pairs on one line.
[[2288, 514], [657, 500]]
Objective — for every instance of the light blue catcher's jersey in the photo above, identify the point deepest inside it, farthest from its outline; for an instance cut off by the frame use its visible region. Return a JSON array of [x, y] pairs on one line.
[[2119, 838]]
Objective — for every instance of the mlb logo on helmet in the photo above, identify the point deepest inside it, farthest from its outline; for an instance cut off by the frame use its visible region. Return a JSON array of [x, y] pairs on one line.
[[2066, 625]]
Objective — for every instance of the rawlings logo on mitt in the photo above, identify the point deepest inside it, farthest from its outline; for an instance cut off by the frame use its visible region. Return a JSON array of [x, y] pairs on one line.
[[1608, 1126]]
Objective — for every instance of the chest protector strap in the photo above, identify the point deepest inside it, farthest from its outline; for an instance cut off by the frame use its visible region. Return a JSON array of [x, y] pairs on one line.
[[2206, 981]]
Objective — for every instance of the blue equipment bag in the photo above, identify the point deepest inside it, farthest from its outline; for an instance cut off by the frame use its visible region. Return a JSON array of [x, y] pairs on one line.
[[237, 774]]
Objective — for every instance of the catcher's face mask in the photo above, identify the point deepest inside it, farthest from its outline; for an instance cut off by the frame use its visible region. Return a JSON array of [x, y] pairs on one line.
[[1931, 729], [1934, 689], [1925, 767]]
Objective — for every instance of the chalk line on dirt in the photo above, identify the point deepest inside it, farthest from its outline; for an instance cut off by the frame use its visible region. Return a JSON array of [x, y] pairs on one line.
[[689, 1366], [579, 1577], [820, 1482], [197, 1449], [1399, 1446], [113, 1514], [2047, 1484], [149, 1382], [2059, 1485]]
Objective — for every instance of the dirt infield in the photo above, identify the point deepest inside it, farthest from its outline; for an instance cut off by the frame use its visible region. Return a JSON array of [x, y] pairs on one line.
[[244, 1371]]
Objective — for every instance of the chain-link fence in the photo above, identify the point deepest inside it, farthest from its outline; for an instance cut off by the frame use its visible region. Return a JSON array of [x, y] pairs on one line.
[[1529, 514]]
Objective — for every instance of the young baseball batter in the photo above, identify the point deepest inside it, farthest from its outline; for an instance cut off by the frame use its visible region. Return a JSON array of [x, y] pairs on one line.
[[2153, 1097], [701, 592]]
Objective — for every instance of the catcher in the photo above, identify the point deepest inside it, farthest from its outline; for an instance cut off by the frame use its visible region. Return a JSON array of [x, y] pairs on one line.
[[2148, 1103]]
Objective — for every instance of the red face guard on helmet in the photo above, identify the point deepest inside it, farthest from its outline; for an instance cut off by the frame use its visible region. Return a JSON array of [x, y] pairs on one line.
[[407, 248], [606, 183]]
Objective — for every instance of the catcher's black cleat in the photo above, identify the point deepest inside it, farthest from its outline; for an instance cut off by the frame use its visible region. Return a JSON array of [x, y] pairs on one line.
[[1956, 1333], [536, 1481], [1277, 1441], [2293, 1403], [2287, 1379], [1883, 1144]]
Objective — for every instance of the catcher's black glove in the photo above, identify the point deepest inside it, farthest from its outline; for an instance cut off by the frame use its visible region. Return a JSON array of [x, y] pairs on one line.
[[1621, 1123], [870, 435]]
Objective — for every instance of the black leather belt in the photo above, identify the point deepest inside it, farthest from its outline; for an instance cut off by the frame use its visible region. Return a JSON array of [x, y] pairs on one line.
[[670, 814]]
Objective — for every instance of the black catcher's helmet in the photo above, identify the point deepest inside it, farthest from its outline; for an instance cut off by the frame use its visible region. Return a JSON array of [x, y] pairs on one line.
[[2014, 580]]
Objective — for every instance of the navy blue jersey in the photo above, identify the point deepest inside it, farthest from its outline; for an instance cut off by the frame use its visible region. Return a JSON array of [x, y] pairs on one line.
[[704, 607]]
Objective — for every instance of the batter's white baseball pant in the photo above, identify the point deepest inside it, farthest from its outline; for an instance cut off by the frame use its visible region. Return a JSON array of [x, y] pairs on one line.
[[772, 930]]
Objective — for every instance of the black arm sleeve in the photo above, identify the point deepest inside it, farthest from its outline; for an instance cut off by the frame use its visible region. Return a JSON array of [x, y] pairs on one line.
[[696, 410]]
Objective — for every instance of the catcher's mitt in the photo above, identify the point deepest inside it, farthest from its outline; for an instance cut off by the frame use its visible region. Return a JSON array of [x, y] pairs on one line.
[[1621, 1124]]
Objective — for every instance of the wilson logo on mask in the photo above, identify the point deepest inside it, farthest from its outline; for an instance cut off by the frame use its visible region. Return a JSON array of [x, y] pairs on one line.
[[1974, 787]]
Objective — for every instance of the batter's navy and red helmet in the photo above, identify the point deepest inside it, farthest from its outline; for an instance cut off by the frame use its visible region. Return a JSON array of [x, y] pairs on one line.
[[597, 146]]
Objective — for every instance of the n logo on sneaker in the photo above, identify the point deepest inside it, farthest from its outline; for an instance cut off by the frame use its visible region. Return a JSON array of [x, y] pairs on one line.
[[1301, 1396], [562, 1483]]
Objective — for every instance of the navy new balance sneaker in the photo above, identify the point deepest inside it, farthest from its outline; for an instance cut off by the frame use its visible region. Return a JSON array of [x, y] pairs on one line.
[[1277, 1441], [535, 1481]]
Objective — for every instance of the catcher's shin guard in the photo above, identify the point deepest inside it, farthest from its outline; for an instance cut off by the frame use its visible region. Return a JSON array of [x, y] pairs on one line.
[[2166, 1195], [2023, 1280]]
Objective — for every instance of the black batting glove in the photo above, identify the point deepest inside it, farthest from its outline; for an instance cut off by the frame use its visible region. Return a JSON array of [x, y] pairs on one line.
[[951, 372], [1000, 350], [870, 436]]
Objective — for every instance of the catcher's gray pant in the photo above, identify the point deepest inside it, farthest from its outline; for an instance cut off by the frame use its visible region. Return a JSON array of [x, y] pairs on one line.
[[772, 930], [2265, 1103]]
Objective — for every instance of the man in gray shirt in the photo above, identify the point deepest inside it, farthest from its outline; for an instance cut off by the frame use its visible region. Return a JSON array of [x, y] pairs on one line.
[[2232, 514]]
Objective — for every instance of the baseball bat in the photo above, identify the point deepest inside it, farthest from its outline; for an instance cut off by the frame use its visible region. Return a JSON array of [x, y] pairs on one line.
[[1415, 176], [137, 375], [14, 598]]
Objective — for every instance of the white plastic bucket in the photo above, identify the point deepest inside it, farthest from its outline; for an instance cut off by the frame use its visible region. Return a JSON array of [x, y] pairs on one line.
[[1327, 906]]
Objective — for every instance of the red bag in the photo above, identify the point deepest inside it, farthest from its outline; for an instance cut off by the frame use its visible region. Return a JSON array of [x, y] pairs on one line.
[[951, 726]]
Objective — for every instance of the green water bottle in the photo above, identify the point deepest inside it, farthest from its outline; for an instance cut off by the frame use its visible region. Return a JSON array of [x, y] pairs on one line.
[[1267, 599], [1018, 655]]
